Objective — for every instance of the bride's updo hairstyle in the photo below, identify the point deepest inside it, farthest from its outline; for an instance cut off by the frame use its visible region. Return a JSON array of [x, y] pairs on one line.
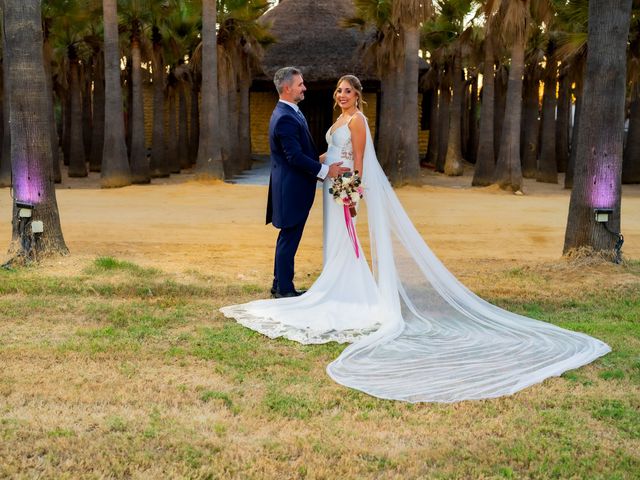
[[356, 85]]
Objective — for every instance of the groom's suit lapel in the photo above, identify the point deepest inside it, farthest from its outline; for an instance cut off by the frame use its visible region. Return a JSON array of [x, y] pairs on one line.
[[300, 118]]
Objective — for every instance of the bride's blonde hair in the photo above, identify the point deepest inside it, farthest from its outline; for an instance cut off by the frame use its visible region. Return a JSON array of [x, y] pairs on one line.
[[356, 85]]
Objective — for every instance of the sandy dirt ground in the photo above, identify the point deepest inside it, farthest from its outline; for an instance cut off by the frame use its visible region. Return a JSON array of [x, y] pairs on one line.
[[181, 225]]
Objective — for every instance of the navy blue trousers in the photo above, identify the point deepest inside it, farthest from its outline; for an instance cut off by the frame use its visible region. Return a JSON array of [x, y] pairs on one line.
[[286, 248]]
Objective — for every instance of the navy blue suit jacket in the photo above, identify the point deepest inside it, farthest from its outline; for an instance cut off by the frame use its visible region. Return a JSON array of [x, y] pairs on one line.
[[294, 168]]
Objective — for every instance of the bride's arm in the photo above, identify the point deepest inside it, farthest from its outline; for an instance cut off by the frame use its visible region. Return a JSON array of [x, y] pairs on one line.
[[322, 157], [358, 140]]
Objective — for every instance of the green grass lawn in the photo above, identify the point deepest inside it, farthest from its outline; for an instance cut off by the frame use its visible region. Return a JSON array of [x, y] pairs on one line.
[[122, 371]]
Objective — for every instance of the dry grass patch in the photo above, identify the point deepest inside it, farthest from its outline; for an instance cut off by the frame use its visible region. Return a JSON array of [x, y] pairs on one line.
[[123, 371]]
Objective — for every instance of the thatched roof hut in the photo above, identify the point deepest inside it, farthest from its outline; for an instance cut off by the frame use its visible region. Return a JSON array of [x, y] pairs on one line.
[[308, 35]]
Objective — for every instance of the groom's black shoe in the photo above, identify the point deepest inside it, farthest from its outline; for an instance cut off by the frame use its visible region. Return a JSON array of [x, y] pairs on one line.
[[295, 293]]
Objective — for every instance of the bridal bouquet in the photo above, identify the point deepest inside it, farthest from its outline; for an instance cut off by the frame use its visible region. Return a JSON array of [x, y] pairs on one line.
[[347, 190]]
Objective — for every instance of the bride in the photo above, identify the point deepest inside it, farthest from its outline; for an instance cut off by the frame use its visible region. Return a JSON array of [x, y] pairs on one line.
[[417, 334]]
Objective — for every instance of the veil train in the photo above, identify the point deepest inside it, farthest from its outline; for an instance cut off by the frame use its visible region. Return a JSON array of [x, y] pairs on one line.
[[441, 342]]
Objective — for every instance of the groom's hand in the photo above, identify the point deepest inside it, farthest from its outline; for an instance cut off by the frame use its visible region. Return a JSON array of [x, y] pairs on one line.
[[336, 169]]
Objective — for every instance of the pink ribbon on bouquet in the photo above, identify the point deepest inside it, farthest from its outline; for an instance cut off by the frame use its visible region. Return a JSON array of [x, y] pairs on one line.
[[351, 229]]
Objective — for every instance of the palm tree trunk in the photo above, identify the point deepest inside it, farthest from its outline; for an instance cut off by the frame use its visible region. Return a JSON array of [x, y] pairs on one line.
[[158, 164], [547, 166], [562, 123], [500, 105], [234, 112], [631, 159], [453, 165], [183, 127], [77, 160], [87, 110], [389, 102], [97, 137], [31, 155], [443, 124], [598, 169], [485, 158], [244, 121], [472, 141], [115, 166], [530, 132], [194, 130], [508, 173], [47, 54], [171, 137], [407, 155], [138, 157], [568, 178], [5, 158], [224, 72], [66, 126], [432, 145], [209, 163]]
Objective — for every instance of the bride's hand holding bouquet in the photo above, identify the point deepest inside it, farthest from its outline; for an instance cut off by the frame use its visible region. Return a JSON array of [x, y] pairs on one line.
[[347, 190]]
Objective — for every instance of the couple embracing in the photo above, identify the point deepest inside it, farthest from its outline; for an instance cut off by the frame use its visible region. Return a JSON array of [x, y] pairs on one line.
[[416, 333]]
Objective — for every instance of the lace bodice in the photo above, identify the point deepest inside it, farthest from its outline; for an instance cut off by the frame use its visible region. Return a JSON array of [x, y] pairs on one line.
[[339, 146]]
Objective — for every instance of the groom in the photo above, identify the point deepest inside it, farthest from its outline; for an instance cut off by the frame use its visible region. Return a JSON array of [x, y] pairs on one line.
[[295, 169]]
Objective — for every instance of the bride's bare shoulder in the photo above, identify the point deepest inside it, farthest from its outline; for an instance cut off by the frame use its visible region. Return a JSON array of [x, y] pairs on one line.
[[357, 121]]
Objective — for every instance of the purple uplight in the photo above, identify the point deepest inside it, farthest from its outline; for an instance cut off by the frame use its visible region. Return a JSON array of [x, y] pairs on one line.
[[603, 192], [24, 186]]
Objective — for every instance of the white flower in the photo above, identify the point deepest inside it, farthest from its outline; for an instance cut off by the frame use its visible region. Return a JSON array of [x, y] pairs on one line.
[[354, 197], [345, 180], [343, 194]]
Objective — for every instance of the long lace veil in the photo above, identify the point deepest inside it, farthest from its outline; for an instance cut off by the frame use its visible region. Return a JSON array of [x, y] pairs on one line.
[[442, 342]]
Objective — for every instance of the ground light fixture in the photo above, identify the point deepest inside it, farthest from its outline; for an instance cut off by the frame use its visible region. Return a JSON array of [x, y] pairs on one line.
[[28, 230], [602, 216]]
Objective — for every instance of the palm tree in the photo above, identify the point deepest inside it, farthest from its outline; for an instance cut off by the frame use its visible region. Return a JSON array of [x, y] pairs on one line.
[[485, 157], [68, 30], [5, 154], [115, 166], [631, 159], [530, 126], [516, 20], [450, 33], [547, 165], [209, 161], [135, 17], [241, 40], [393, 48], [563, 122], [31, 155], [572, 18], [597, 176]]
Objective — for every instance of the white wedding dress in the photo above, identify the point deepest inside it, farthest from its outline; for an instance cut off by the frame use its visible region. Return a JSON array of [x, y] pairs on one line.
[[418, 334]]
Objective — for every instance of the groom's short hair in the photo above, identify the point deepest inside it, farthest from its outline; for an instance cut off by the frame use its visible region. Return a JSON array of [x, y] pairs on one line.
[[284, 76]]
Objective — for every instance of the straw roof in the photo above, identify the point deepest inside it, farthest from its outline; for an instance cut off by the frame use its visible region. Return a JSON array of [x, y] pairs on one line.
[[309, 36]]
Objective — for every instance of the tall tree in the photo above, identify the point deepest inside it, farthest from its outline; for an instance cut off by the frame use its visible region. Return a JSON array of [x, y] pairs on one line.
[[597, 175], [31, 156], [485, 157], [135, 16], [115, 166], [508, 172], [547, 165], [564, 119], [5, 153], [450, 32], [393, 49], [209, 161]]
